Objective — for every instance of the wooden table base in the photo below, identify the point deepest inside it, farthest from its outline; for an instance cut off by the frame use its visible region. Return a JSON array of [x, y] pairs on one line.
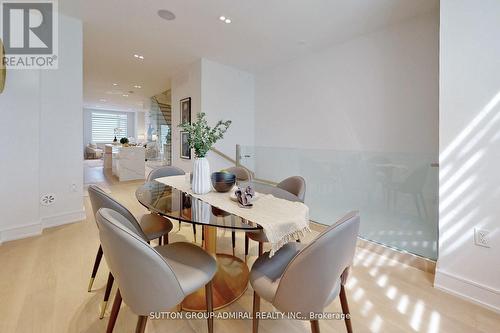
[[229, 283]]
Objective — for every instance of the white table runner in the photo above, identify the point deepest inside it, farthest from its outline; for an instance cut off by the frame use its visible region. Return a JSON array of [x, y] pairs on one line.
[[283, 221]]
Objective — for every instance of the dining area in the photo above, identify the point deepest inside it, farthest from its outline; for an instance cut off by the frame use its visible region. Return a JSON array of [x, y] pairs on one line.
[[159, 278]]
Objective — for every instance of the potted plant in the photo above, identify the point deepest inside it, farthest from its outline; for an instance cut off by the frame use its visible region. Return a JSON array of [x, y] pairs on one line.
[[201, 138], [124, 142]]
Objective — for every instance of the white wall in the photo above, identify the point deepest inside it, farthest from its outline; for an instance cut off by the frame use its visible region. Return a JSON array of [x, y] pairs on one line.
[[41, 132], [228, 94], [140, 124], [378, 92], [20, 133], [469, 149], [223, 93], [186, 83]]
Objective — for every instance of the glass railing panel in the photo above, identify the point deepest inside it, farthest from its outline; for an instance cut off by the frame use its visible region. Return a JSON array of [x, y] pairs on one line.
[[395, 193]]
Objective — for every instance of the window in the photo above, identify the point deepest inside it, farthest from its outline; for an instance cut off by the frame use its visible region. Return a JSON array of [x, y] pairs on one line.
[[104, 125]]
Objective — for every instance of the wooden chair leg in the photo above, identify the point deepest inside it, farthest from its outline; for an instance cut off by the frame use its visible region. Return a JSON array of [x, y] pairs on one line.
[[96, 266], [261, 248], [233, 240], [159, 241], [210, 307], [165, 239], [314, 326], [345, 309], [141, 324], [179, 226], [194, 232], [256, 308], [247, 241], [109, 286], [114, 312]]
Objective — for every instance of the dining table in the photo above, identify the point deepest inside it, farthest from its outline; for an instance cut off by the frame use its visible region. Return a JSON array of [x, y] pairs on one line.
[[231, 279]]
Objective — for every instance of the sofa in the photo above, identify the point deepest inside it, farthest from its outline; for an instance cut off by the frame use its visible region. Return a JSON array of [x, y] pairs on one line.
[[93, 152]]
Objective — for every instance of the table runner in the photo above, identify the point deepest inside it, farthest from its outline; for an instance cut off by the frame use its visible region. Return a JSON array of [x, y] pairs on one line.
[[283, 221]]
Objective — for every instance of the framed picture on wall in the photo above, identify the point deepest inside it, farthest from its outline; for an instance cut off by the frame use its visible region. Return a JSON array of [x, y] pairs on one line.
[[186, 110], [185, 150]]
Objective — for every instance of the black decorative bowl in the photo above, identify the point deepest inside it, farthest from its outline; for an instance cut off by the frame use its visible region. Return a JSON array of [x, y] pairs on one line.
[[223, 181]]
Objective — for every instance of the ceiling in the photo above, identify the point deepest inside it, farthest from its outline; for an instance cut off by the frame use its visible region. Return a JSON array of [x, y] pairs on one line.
[[263, 33]]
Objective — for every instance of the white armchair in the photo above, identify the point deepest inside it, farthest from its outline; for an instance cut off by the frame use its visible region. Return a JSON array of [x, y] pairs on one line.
[[152, 150], [92, 151]]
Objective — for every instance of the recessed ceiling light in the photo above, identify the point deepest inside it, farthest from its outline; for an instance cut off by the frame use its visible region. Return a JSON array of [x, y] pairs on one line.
[[166, 14], [125, 95], [137, 86], [225, 19], [115, 84], [138, 56]]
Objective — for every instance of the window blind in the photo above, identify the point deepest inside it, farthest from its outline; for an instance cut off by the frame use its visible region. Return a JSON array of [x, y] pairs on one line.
[[104, 124]]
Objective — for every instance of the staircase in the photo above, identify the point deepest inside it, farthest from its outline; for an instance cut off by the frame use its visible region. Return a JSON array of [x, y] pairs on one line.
[[161, 114]]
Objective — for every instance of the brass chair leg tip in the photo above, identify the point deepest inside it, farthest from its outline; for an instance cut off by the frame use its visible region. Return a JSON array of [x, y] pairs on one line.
[[91, 282], [103, 309]]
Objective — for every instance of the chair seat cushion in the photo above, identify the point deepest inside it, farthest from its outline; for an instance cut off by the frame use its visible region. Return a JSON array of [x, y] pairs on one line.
[[258, 236], [192, 266], [155, 226], [266, 272]]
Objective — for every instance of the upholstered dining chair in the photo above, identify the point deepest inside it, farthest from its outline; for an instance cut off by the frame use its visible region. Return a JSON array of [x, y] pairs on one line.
[[150, 227], [295, 185], [324, 266], [242, 175], [152, 279], [167, 171]]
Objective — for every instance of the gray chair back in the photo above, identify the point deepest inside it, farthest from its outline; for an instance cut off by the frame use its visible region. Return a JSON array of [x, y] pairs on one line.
[[241, 173], [165, 171], [147, 282], [295, 185], [100, 199], [308, 280]]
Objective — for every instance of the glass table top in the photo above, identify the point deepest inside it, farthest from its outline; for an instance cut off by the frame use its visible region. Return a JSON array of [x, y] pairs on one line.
[[173, 203]]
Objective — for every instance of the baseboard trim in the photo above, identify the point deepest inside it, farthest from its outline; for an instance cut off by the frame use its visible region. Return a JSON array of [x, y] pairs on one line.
[[61, 219], [24, 231], [464, 288], [36, 229]]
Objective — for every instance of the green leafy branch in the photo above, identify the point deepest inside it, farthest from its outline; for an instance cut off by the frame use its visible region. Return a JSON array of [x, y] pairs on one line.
[[201, 136]]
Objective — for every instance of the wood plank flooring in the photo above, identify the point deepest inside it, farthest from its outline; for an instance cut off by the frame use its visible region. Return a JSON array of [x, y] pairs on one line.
[[43, 288]]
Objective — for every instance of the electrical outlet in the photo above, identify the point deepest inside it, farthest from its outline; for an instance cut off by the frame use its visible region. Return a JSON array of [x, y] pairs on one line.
[[481, 237]]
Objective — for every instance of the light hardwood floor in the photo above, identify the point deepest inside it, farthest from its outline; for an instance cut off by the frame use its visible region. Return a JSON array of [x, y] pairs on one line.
[[43, 288]]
